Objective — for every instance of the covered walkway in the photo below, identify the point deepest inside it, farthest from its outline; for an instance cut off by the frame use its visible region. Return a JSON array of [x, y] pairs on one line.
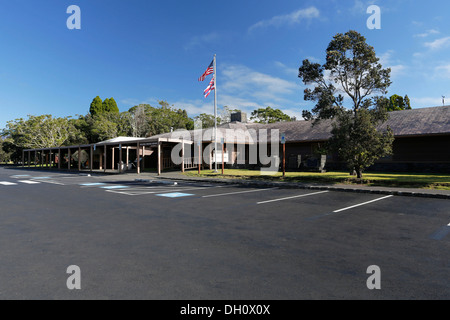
[[117, 155]]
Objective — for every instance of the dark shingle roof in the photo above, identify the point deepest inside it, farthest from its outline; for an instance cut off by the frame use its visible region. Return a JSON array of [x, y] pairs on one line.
[[415, 122], [425, 121]]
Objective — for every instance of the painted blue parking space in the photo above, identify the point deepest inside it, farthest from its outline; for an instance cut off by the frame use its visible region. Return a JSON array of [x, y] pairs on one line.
[[174, 195]]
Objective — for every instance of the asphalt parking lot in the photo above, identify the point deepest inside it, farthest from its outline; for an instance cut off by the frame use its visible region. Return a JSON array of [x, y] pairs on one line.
[[186, 240]]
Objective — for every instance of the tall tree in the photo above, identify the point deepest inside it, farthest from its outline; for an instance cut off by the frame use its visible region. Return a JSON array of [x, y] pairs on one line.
[[407, 103], [269, 115], [207, 120], [37, 132], [353, 68], [398, 103], [138, 121], [163, 119], [96, 106], [104, 127], [5, 155], [110, 105]]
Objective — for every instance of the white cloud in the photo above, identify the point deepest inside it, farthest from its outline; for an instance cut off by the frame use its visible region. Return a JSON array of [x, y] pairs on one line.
[[397, 70], [386, 60], [424, 102], [427, 33], [443, 71], [242, 80], [243, 88], [240, 87], [438, 44], [287, 70], [288, 19]]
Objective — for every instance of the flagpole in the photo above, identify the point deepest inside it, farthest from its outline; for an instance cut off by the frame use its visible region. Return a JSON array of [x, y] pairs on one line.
[[215, 115]]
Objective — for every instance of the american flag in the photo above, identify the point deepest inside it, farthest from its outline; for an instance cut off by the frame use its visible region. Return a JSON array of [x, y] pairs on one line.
[[210, 87], [207, 72]]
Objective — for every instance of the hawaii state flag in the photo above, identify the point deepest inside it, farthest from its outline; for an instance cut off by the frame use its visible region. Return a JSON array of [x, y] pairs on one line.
[[210, 87], [207, 72]]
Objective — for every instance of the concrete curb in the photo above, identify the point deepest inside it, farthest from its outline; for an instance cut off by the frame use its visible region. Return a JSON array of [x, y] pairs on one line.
[[253, 183]]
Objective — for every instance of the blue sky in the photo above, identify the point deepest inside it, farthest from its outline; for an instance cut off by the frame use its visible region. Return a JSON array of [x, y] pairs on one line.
[[142, 51]]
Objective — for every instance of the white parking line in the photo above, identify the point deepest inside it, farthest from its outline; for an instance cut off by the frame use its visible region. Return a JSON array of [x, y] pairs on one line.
[[288, 198], [6, 183], [28, 182], [362, 204], [51, 182], [138, 192], [238, 192]]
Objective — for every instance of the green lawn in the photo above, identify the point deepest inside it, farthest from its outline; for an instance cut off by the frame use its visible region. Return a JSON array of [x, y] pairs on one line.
[[409, 180]]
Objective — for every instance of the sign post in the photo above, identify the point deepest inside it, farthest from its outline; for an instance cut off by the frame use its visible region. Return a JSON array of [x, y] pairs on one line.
[[283, 142], [223, 154], [199, 155]]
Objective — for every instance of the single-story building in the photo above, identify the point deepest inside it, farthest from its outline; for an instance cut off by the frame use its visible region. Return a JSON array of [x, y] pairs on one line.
[[422, 144]]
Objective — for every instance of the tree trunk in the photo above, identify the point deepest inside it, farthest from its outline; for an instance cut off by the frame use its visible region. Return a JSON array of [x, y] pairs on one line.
[[359, 173]]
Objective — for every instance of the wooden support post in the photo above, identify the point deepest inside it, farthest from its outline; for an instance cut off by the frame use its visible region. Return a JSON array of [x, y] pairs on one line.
[[138, 161], [50, 158], [59, 159], [182, 156], [113, 164], [159, 158], [91, 160], [120, 158], [79, 159], [23, 159], [127, 157], [29, 159], [69, 160], [143, 157], [106, 158], [284, 161]]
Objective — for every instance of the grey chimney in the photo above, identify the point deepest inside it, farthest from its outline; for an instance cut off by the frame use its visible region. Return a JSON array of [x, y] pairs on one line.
[[239, 116]]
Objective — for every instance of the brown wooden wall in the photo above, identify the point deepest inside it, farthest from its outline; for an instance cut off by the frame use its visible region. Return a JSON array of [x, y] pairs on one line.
[[420, 149]]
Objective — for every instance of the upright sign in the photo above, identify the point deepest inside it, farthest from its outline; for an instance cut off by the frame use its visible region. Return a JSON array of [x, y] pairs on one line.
[[283, 142]]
